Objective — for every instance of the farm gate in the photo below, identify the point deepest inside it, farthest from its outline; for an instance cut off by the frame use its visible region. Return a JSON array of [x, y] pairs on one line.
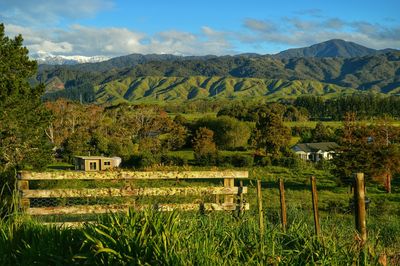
[[115, 191]]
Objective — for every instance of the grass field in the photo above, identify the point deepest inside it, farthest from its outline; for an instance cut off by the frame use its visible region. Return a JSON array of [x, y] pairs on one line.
[[221, 238]]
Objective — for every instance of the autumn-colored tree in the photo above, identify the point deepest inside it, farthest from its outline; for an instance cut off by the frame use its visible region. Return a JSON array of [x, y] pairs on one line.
[[205, 150]]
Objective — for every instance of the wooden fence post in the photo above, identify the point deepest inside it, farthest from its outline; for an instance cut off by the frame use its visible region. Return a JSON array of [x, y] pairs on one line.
[[228, 183], [241, 198], [260, 210], [283, 204], [314, 194], [24, 203], [359, 203]]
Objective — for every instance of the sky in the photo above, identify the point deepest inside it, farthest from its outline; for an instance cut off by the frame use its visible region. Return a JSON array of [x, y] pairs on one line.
[[192, 27]]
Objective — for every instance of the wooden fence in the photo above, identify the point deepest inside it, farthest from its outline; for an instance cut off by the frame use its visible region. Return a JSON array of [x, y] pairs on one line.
[[232, 195]]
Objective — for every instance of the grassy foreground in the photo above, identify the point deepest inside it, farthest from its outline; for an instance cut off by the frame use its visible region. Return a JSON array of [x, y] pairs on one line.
[[183, 239], [191, 238]]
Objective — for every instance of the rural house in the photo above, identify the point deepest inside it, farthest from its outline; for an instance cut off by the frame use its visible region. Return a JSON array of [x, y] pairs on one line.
[[96, 163], [315, 151]]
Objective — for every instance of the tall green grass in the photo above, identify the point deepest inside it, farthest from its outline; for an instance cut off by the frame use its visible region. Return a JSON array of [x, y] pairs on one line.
[[191, 238], [151, 238]]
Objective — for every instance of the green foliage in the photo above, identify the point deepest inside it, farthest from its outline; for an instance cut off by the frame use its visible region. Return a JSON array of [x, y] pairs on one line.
[[229, 133], [143, 160], [173, 160], [205, 150], [176, 138], [236, 160], [134, 239], [23, 142], [270, 133], [373, 150], [200, 77], [177, 239], [365, 105]]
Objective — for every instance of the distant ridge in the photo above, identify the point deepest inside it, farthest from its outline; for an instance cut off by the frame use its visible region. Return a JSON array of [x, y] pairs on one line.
[[331, 48], [330, 68]]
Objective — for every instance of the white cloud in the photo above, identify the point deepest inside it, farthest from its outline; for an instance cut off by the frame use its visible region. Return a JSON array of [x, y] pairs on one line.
[[260, 25], [296, 32], [90, 41], [42, 12], [208, 41]]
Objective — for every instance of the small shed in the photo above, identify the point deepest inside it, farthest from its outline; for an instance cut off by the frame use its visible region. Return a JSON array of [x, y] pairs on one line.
[[96, 163]]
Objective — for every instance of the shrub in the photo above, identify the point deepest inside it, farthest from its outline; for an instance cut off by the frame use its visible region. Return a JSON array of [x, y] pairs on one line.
[[262, 160], [206, 159], [144, 159], [173, 160], [289, 162], [239, 160]]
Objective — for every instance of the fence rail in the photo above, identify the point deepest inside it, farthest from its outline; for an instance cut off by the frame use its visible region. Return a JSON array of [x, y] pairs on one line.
[[130, 175], [229, 192]]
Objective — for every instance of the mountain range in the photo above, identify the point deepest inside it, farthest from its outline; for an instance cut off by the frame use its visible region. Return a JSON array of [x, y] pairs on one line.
[[50, 59], [332, 48], [330, 68]]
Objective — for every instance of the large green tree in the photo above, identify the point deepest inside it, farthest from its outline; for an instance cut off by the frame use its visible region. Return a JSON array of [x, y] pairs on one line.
[[23, 119], [270, 133]]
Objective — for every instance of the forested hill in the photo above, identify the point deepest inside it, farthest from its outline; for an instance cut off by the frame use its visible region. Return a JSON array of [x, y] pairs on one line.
[[379, 72], [332, 48]]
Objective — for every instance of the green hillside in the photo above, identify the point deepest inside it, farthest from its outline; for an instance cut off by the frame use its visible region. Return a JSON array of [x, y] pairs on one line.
[[324, 69], [154, 88]]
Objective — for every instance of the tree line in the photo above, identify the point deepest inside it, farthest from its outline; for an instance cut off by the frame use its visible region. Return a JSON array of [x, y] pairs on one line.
[[365, 106]]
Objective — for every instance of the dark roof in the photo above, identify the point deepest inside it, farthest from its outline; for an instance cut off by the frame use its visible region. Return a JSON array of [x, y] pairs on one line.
[[314, 147], [93, 157]]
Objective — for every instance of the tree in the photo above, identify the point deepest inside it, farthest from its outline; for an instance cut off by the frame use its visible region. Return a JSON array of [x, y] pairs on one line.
[[205, 150], [322, 133], [176, 137], [24, 120], [271, 134], [368, 149], [354, 153], [229, 133]]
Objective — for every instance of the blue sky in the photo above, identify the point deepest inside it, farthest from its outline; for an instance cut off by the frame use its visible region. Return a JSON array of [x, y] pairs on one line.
[[113, 28]]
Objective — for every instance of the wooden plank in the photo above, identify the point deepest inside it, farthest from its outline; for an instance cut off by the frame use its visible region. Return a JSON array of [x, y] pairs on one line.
[[101, 209], [128, 191], [229, 183], [127, 175]]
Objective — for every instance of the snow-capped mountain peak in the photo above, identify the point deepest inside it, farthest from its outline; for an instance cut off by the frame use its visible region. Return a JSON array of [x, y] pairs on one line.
[[50, 59]]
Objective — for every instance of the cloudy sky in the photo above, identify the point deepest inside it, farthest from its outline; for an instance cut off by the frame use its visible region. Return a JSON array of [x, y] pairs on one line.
[[194, 27]]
